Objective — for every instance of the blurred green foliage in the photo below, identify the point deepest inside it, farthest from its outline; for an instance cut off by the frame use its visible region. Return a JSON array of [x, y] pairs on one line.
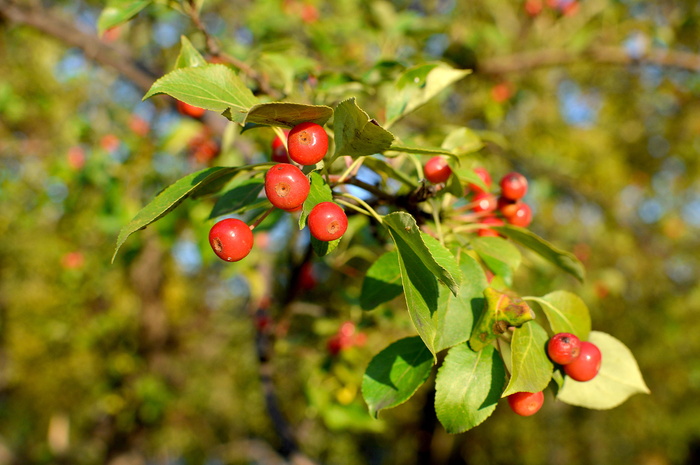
[[153, 357]]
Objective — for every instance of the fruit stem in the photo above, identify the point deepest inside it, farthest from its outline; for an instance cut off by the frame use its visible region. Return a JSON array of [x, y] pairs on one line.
[[353, 206], [364, 204], [352, 170], [436, 219], [280, 133], [261, 218]]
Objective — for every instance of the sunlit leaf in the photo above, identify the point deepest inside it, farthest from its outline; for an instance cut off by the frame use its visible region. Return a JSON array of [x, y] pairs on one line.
[[189, 56], [531, 369], [356, 134], [566, 313], [502, 311], [117, 12]]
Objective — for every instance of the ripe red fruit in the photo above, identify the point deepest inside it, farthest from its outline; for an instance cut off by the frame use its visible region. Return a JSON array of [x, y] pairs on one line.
[[307, 143], [501, 92], [231, 239], [506, 206], [587, 365], [513, 186], [533, 7], [484, 203], [190, 110], [327, 221], [485, 177], [437, 170], [564, 348], [526, 403], [522, 216], [279, 152], [488, 231], [286, 186]]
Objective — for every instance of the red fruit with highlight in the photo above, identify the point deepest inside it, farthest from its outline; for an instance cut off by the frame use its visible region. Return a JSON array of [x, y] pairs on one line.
[[231, 239], [307, 143], [587, 365], [513, 186], [437, 170], [522, 216], [564, 348], [327, 221], [526, 403], [484, 203], [286, 186]]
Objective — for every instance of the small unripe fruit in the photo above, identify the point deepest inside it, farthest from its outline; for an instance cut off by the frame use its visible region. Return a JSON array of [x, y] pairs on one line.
[[587, 365], [437, 170], [307, 143], [231, 239], [564, 348], [526, 403], [513, 186], [327, 221], [286, 186]]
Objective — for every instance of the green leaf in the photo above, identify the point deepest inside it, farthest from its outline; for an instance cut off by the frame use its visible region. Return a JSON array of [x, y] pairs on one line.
[[462, 141], [502, 257], [380, 166], [618, 379], [323, 248], [564, 260], [171, 197], [566, 313], [456, 314], [117, 12], [319, 192], [241, 197], [382, 281], [417, 85], [468, 176], [468, 387], [403, 225], [531, 369], [288, 114], [395, 374], [502, 310], [189, 56], [421, 150], [212, 87], [420, 289], [356, 134]]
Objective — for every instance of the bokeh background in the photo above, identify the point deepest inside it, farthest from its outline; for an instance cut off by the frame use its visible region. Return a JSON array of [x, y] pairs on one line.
[[152, 359]]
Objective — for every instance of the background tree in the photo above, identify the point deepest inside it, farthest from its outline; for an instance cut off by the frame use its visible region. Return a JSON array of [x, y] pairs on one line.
[[168, 354]]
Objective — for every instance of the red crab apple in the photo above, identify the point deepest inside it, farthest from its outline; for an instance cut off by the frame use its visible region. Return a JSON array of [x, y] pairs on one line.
[[437, 170], [526, 403], [231, 239], [564, 348], [327, 221], [286, 186], [307, 143], [513, 186], [587, 365]]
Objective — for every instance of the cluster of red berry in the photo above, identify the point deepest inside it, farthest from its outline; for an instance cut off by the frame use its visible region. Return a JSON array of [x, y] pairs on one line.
[[580, 360], [489, 208], [287, 188]]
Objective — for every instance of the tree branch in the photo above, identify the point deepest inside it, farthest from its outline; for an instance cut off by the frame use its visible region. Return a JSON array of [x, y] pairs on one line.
[[51, 24], [528, 61]]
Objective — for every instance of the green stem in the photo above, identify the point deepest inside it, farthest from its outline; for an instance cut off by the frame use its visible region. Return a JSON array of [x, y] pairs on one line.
[[261, 218], [365, 205], [353, 206], [353, 166]]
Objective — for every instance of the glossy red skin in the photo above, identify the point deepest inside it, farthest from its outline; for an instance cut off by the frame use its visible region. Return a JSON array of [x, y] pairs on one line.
[[506, 206], [190, 110], [513, 186], [522, 216], [286, 186], [587, 365], [564, 348], [484, 203], [231, 239], [485, 176], [307, 143], [526, 403], [279, 152], [487, 232], [327, 221], [437, 170]]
